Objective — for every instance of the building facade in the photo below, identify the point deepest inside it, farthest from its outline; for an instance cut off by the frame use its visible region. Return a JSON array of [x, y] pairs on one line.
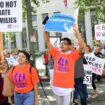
[[48, 9]]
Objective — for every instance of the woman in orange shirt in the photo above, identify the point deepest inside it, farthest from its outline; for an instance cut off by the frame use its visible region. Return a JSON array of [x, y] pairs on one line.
[[25, 79]]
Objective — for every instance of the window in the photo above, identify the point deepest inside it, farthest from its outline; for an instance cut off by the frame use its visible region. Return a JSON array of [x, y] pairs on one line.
[[55, 40], [56, 12], [36, 35], [24, 38], [94, 19], [58, 34], [13, 41], [34, 18], [81, 23], [44, 16]]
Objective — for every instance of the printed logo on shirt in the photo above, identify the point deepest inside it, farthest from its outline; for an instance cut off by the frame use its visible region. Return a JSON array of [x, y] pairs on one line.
[[20, 80], [62, 65]]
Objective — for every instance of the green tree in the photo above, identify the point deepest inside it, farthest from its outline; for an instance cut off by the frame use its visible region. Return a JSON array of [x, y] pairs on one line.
[[33, 9], [98, 5], [27, 13]]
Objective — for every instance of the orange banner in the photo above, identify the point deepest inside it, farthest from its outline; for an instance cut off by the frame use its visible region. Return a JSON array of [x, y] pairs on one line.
[[1, 46]]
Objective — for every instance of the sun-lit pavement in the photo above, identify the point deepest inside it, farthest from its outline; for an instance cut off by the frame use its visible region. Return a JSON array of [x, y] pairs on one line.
[[39, 64], [99, 100]]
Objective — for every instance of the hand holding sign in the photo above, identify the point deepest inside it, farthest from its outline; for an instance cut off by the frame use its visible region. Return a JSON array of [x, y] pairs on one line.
[[3, 66], [75, 27], [45, 20]]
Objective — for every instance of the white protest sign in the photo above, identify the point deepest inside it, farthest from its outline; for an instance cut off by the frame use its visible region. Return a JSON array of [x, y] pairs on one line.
[[88, 75], [97, 64], [12, 61], [100, 32], [75, 15], [10, 15]]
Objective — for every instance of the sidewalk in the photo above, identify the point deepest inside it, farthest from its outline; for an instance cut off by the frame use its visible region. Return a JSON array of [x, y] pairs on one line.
[[99, 100], [39, 64]]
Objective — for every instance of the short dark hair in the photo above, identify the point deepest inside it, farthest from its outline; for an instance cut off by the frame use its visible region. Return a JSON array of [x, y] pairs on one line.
[[89, 48], [66, 39]]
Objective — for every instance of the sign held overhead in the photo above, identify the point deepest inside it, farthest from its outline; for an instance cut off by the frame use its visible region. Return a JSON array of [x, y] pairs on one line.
[[59, 23]]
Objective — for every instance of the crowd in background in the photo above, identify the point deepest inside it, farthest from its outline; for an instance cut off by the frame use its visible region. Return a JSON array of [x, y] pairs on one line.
[[65, 62]]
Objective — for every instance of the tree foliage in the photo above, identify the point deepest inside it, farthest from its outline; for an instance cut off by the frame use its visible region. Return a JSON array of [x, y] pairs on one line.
[[98, 5], [33, 9], [24, 6]]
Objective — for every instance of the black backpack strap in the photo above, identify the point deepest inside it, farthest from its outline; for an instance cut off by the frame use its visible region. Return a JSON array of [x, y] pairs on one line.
[[30, 69], [13, 68]]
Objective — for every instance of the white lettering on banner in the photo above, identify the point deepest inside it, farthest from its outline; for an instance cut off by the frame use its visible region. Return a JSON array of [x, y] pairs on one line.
[[60, 20], [100, 32], [88, 75], [10, 15], [97, 64]]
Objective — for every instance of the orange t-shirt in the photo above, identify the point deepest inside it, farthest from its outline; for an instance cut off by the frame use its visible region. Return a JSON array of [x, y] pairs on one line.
[[23, 79], [64, 68]]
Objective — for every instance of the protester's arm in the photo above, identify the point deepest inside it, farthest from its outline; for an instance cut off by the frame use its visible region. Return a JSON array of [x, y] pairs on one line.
[[36, 94], [47, 40], [79, 38], [3, 67]]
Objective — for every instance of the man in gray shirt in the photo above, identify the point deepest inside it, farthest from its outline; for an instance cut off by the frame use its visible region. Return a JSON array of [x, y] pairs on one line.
[[80, 88]]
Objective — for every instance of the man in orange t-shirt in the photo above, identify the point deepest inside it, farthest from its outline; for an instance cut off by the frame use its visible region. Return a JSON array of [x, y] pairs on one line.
[[64, 60]]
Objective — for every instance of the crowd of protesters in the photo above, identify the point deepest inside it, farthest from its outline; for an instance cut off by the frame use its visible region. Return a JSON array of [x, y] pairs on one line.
[[68, 73], [59, 87]]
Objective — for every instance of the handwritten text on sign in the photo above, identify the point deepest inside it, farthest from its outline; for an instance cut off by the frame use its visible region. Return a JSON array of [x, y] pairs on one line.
[[97, 64], [100, 32], [88, 75]]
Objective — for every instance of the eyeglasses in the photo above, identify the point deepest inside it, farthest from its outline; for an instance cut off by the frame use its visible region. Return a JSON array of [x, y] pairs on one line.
[[64, 43]]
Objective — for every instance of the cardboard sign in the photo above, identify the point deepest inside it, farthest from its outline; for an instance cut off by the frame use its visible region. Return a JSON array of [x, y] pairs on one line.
[[12, 61], [88, 75], [10, 15], [59, 23], [97, 64], [100, 32]]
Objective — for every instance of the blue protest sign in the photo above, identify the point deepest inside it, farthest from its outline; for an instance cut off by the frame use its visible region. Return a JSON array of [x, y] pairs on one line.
[[59, 23]]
